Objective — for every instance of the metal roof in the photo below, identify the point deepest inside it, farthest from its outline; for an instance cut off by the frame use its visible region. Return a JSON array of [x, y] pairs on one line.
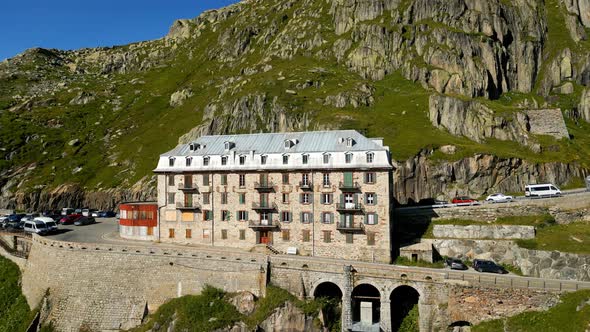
[[309, 141]]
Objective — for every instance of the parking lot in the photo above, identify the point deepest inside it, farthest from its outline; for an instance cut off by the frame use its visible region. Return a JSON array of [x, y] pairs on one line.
[[89, 233]]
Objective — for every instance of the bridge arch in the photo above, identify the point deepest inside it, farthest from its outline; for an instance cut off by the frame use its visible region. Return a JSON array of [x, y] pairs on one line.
[[403, 299], [329, 296], [459, 326], [366, 305], [323, 283]]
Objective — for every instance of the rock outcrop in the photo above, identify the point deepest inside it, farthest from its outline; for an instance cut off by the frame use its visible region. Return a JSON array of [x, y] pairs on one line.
[[420, 177], [474, 120]]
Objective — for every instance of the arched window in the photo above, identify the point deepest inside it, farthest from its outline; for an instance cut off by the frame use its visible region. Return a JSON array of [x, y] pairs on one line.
[[171, 161], [189, 161]]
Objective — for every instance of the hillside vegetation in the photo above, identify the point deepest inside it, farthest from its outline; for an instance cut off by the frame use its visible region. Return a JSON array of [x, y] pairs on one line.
[[15, 314], [99, 118]]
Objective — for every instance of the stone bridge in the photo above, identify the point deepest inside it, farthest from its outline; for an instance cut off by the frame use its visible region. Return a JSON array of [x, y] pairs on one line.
[[376, 297], [110, 287]]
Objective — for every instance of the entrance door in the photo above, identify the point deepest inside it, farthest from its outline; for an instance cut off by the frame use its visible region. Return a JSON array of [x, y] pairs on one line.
[[264, 237]]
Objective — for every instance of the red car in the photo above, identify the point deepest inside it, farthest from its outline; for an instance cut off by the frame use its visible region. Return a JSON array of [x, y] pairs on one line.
[[69, 219], [464, 200]]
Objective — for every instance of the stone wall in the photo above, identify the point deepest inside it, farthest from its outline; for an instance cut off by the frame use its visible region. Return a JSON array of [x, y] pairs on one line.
[[534, 263], [319, 238], [484, 232], [107, 287], [565, 209], [477, 304]]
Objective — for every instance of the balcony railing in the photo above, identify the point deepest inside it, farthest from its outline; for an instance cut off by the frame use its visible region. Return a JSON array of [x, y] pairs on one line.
[[263, 224], [349, 186], [188, 187], [264, 186], [349, 207], [305, 185], [188, 206], [264, 206], [350, 226]]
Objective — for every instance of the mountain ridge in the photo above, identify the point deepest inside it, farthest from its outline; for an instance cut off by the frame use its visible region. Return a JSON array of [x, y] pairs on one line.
[[96, 119]]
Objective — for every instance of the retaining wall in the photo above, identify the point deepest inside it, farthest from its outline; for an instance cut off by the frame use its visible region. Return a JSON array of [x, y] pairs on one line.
[[484, 232], [534, 263], [111, 287]]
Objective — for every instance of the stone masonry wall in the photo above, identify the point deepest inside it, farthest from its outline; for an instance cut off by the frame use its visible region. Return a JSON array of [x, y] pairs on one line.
[[484, 232], [534, 263], [488, 213], [108, 287], [322, 238]]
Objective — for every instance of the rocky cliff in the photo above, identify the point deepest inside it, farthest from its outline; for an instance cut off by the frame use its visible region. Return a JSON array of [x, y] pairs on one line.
[[85, 127]]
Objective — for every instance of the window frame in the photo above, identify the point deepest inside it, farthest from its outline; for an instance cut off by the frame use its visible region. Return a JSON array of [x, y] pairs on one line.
[[348, 158]]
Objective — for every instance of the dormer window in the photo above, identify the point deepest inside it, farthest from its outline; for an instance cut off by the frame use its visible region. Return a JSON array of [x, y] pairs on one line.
[[194, 146], [370, 157], [349, 142], [206, 161], [263, 159], [288, 144], [348, 157], [228, 145], [326, 157], [189, 161], [285, 159], [224, 160], [305, 159], [242, 160], [171, 161]]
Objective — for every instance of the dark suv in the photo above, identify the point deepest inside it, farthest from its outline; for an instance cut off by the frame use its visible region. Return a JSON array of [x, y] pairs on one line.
[[481, 265]]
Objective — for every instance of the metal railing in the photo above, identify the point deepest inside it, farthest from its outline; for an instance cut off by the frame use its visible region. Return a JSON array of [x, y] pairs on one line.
[[510, 281], [349, 186], [263, 185], [264, 206], [188, 206], [351, 207], [306, 185], [350, 226], [263, 224], [188, 187]]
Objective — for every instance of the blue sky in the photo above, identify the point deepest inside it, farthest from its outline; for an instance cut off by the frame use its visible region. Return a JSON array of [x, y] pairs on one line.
[[73, 24]]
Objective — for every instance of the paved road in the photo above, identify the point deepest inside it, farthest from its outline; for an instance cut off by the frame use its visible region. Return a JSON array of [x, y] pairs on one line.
[[87, 234]]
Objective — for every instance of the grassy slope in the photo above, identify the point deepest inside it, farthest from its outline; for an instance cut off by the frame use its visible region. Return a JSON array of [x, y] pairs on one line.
[[149, 126], [15, 314], [563, 317], [211, 310]]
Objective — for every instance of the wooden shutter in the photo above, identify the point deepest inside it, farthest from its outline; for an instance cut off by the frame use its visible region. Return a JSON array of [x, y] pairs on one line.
[[348, 179], [375, 198]]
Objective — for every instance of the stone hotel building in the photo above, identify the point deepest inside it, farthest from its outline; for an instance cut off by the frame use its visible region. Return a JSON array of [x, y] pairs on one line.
[[324, 193]]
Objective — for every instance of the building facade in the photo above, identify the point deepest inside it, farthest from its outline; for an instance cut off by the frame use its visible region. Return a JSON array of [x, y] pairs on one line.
[[310, 193], [138, 221]]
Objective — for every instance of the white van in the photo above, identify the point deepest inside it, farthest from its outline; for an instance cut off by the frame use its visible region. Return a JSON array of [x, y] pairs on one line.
[[37, 227], [541, 190], [50, 223]]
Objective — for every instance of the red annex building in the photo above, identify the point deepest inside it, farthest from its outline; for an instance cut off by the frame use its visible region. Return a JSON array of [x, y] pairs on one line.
[[138, 220]]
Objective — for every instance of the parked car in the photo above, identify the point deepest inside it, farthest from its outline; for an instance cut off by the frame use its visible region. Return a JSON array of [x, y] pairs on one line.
[[67, 211], [14, 221], [95, 213], [432, 201], [464, 200], [49, 222], [84, 221], [29, 217], [499, 198], [541, 190], [482, 265], [106, 214], [455, 264], [37, 227], [70, 219]]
